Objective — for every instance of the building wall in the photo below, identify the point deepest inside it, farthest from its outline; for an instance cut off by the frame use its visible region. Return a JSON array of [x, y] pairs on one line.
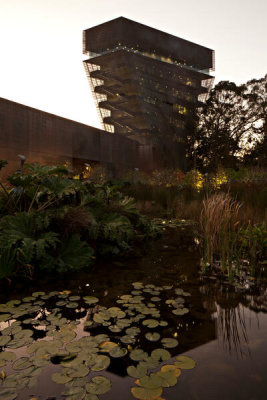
[[46, 138]]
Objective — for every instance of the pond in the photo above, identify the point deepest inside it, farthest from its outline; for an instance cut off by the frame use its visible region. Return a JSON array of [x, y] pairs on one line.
[[100, 335]]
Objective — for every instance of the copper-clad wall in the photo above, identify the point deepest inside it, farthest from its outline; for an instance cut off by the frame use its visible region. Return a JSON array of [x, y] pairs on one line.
[[47, 138]]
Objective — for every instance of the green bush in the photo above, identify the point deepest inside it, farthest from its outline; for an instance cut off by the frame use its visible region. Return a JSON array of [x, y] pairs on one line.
[[49, 220]]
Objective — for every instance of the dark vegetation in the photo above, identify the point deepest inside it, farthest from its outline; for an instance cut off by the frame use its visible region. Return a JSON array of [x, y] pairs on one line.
[[51, 221]]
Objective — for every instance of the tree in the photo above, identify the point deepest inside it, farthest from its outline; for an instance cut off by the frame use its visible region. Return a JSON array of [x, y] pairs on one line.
[[229, 125]]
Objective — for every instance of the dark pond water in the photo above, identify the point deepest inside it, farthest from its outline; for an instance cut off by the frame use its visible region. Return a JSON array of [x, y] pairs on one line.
[[224, 330]]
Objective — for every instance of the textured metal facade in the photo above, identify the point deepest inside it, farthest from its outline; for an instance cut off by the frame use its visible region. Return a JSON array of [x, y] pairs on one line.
[[47, 138], [145, 83]]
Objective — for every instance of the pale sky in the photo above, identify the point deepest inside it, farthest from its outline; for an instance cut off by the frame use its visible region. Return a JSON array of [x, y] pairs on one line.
[[41, 44]]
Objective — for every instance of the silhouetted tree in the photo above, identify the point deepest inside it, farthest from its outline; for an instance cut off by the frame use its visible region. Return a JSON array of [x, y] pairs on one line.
[[229, 125]]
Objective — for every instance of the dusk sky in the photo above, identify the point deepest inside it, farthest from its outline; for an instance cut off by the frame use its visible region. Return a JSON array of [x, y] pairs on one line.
[[41, 44]]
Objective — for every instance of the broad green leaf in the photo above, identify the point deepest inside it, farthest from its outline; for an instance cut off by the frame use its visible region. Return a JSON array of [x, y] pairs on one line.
[[152, 336], [145, 393], [169, 342], [185, 362], [160, 355], [136, 372], [98, 385]]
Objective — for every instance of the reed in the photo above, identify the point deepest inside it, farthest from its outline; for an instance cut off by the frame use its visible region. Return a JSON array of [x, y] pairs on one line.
[[219, 221]]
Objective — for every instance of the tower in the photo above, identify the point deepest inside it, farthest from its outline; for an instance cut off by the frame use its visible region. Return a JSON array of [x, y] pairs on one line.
[[146, 82]]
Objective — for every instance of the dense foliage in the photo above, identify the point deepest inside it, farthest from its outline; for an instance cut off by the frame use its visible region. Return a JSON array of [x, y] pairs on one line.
[[230, 128], [48, 220]]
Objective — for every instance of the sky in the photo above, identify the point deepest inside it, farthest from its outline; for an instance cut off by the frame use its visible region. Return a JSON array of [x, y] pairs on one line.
[[41, 44]]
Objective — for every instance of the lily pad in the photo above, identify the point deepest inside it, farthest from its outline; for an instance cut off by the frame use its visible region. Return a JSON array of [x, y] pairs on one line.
[[169, 342], [160, 355], [98, 385], [90, 300], [180, 311], [100, 363], [78, 371], [60, 378], [143, 393], [176, 371], [118, 352], [138, 355], [107, 346], [5, 317], [150, 323], [152, 336], [22, 363], [8, 394], [185, 362], [4, 340], [136, 372]]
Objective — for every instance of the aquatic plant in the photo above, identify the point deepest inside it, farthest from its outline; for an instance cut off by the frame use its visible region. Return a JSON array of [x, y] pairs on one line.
[[219, 223], [114, 332]]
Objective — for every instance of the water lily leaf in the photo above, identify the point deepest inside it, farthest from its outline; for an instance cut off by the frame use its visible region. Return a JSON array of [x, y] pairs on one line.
[[22, 363], [72, 304], [74, 347], [116, 312], [160, 355], [8, 394], [90, 396], [77, 371], [60, 378], [151, 382], [180, 311], [138, 285], [75, 390], [4, 340], [150, 323], [28, 299], [90, 299], [101, 317], [155, 298], [37, 294], [5, 317], [100, 363], [61, 303], [6, 356], [80, 382], [167, 378], [163, 323], [74, 298], [98, 385], [134, 330], [138, 355], [143, 393], [169, 342], [128, 339], [185, 362], [117, 352], [115, 328], [149, 363], [171, 369], [107, 346], [136, 372], [152, 336]]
